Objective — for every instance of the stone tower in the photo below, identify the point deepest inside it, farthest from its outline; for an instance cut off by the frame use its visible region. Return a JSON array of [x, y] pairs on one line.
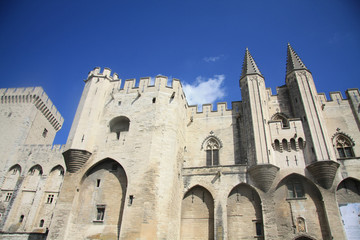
[[124, 158]]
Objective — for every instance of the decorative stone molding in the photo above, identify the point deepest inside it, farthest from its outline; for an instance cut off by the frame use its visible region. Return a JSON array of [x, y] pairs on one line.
[[263, 175], [75, 159], [324, 172]]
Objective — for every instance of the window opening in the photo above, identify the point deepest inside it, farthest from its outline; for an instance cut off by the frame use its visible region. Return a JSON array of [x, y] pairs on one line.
[[295, 190], [8, 197], [119, 103], [259, 228], [131, 199], [14, 171], [344, 147], [44, 132], [154, 100], [285, 145], [301, 143], [212, 152], [21, 218], [50, 198], [100, 213], [118, 125], [41, 223], [277, 145], [98, 183], [293, 144]]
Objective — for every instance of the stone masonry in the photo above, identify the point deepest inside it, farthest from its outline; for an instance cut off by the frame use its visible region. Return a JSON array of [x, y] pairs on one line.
[[140, 163]]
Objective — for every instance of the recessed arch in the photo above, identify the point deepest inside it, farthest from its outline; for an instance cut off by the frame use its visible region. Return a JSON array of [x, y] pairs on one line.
[[58, 168], [99, 186], [36, 169], [15, 169], [197, 214], [119, 124], [348, 199], [244, 212], [343, 144], [281, 117], [294, 194]]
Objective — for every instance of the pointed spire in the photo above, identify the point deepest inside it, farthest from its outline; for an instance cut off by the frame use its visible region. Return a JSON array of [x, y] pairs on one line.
[[249, 65], [293, 61]]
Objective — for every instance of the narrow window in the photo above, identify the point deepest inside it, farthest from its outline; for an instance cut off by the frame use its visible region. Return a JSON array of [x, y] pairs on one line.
[[119, 103], [131, 199], [301, 143], [50, 198], [293, 144], [277, 145], [21, 218], [100, 213], [98, 183], [154, 100], [285, 145], [212, 152], [8, 197], [44, 132], [41, 223], [259, 229]]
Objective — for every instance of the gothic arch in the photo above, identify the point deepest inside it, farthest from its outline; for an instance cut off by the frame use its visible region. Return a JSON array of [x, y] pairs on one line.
[[343, 145], [348, 199], [197, 214], [100, 185], [281, 117], [59, 168], [304, 237], [11, 177], [244, 211], [211, 146], [294, 194]]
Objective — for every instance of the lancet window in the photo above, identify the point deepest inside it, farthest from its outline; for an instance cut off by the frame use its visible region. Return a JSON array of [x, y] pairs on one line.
[[212, 152]]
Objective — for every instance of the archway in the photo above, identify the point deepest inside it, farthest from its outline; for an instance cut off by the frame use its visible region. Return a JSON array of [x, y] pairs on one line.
[[299, 208], [101, 202], [348, 198], [197, 214], [244, 213]]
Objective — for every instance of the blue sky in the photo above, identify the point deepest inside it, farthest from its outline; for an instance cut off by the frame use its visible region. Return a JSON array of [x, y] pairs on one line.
[[54, 44]]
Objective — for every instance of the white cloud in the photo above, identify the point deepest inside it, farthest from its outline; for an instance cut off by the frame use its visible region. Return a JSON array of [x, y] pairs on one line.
[[205, 90], [212, 59]]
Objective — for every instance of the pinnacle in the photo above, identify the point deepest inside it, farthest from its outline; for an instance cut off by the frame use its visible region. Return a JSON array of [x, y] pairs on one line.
[[249, 65], [293, 61]]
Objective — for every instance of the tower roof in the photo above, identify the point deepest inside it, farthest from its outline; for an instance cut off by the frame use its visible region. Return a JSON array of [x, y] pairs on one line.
[[249, 65], [293, 61]]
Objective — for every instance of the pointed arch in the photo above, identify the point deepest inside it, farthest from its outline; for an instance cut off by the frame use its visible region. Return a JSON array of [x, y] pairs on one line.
[[283, 118], [197, 214], [99, 186], [294, 193], [343, 144], [348, 199], [36, 169], [11, 178], [244, 211], [212, 145], [15, 169], [58, 168]]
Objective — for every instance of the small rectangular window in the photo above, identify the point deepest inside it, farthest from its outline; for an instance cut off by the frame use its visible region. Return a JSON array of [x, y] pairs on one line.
[[8, 197], [119, 103], [100, 214], [50, 198], [98, 183], [44, 132]]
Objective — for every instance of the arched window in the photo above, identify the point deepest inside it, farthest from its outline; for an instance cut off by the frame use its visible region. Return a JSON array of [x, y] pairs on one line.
[[212, 152], [293, 144], [277, 145], [119, 124], [285, 145], [301, 143], [344, 146], [281, 117]]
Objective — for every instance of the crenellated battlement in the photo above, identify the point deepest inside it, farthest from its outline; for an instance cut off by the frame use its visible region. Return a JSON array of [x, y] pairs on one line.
[[106, 73], [59, 148], [208, 110], [337, 96], [36, 96]]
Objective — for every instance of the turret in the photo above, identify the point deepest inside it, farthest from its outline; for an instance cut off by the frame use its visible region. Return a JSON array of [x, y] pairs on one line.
[[255, 103], [319, 152], [98, 91]]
